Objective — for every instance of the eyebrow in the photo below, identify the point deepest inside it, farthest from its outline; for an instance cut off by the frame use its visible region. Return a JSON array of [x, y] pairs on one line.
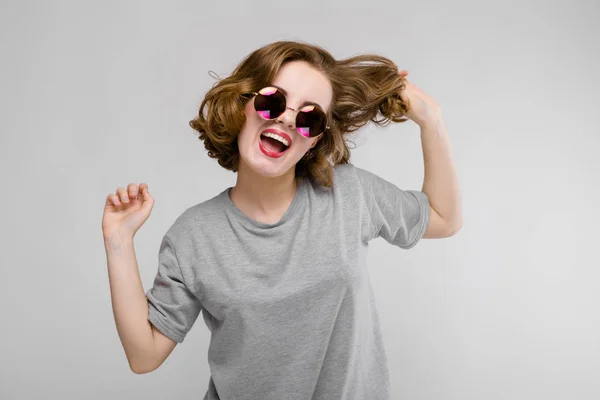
[[306, 103]]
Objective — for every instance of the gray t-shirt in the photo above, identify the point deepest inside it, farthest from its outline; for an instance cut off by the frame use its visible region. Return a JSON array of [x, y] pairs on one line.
[[289, 305]]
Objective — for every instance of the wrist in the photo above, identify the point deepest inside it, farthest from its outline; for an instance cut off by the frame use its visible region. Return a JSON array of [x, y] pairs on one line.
[[116, 240], [432, 121]]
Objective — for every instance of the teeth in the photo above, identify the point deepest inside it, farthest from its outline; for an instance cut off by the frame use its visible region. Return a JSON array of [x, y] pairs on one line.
[[277, 137]]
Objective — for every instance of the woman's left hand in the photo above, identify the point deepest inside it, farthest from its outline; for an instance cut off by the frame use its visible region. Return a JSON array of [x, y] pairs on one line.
[[423, 109]]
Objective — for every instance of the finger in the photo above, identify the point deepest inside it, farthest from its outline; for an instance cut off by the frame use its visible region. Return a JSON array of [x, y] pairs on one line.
[[148, 200], [132, 190], [112, 198], [144, 191], [143, 188], [123, 195], [147, 195]]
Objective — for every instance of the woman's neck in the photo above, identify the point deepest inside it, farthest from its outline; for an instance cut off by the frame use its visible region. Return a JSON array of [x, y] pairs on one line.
[[262, 198]]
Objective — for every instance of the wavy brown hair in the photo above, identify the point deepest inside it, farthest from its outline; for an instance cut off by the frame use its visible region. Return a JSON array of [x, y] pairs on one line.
[[365, 88]]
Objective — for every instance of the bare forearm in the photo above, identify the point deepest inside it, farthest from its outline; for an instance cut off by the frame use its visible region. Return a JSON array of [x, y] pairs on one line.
[[441, 179], [129, 303]]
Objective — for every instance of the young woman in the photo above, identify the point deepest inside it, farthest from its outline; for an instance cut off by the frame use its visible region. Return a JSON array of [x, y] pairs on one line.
[[277, 263]]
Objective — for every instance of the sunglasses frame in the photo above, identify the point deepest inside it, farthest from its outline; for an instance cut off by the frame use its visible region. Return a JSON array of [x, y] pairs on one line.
[[254, 94]]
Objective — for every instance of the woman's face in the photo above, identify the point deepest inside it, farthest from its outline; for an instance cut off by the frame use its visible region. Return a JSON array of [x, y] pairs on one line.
[[302, 83]]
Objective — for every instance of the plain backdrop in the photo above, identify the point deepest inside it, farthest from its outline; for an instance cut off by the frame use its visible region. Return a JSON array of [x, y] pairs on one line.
[[97, 95]]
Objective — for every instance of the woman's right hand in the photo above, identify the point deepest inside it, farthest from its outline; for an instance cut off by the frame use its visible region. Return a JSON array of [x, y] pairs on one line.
[[126, 211]]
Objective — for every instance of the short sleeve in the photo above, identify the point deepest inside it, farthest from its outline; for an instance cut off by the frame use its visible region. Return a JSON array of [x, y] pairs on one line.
[[172, 307], [399, 216]]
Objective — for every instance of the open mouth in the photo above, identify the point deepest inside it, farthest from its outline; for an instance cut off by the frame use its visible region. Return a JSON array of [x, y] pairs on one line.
[[274, 143]]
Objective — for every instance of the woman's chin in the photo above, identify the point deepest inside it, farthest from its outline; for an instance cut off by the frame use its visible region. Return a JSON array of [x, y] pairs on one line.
[[267, 167], [271, 171]]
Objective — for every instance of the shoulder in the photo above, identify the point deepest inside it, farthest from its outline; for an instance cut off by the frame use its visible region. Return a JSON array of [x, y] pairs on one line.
[[351, 175], [347, 183], [343, 168], [197, 218], [344, 173]]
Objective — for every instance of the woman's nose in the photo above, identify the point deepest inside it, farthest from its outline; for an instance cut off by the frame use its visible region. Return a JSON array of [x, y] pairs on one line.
[[288, 117]]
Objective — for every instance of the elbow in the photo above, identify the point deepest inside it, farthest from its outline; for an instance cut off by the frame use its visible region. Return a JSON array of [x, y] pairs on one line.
[[137, 371], [455, 228], [140, 369]]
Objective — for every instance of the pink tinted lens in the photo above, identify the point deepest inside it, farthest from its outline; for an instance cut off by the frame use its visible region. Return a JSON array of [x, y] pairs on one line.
[[304, 131], [267, 91], [266, 114]]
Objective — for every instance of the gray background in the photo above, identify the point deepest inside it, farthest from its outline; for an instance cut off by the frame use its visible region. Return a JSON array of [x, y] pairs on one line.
[[95, 95]]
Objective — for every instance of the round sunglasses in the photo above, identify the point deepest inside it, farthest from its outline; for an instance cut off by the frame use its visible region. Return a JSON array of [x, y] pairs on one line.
[[270, 103]]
